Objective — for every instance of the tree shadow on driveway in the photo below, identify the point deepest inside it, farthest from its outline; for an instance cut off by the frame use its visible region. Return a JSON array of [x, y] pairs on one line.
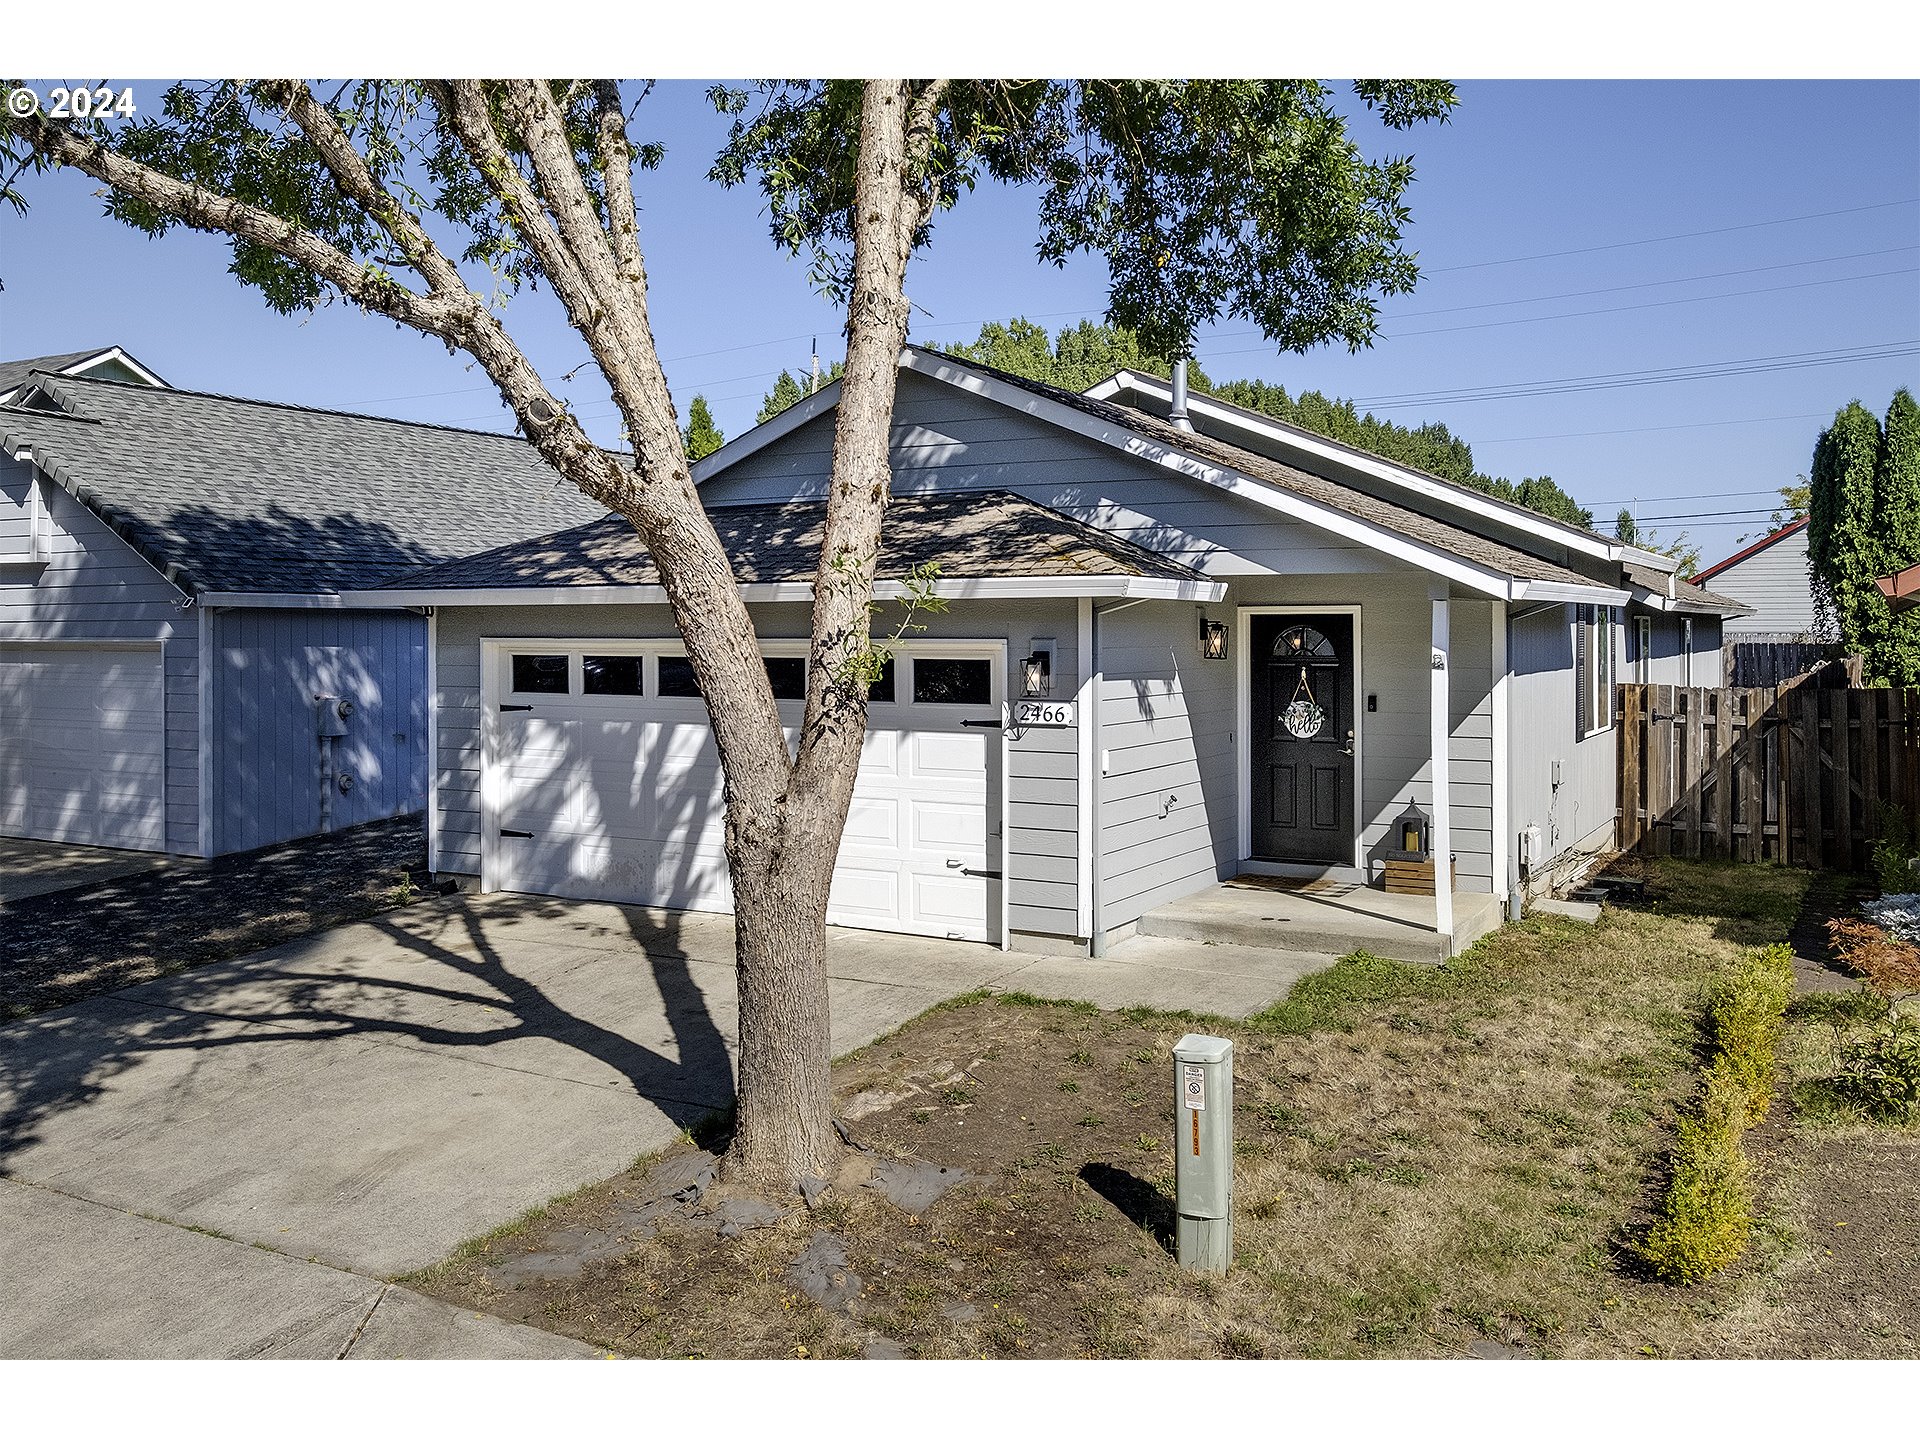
[[470, 980]]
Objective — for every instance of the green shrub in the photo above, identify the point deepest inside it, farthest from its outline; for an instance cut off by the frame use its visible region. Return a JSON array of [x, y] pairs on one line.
[[1745, 1016], [1707, 1214], [1891, 853], [1880, 1075]]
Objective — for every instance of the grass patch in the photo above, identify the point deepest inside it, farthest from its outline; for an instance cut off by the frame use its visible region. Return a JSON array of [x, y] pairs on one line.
[[1425, 1157]]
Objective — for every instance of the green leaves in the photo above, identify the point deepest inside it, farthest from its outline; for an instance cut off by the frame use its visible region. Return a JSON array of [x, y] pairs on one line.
[[1207, 199], [1864, 522], [700, 435]]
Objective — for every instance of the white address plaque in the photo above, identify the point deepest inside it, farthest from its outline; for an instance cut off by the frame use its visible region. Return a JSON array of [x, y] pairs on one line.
[[1029, 713]]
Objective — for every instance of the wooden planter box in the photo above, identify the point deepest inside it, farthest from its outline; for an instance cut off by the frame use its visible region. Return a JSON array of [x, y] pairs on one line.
[[1414, 877]]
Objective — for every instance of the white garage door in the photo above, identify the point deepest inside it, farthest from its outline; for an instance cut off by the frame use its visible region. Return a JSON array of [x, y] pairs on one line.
[[82, 745], [607, 786]]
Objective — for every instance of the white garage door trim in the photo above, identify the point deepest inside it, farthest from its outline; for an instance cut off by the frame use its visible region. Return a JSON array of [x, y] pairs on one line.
[[915, 811], [121, 805]]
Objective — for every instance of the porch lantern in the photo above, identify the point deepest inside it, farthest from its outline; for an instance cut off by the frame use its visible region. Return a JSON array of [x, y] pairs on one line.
[[1213, 639], [1036, 674], [1415, 831]]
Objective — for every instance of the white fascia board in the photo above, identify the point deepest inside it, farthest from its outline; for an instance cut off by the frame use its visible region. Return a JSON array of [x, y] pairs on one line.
[[1649, 559], [1019, 587], [1560, 591], [1349, 527], [1485, 506], [764, 434]]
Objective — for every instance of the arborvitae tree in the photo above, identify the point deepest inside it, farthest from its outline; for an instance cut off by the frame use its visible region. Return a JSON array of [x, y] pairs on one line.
[[701, 435], [1896, 525], [1624, 530], [1843, 554]]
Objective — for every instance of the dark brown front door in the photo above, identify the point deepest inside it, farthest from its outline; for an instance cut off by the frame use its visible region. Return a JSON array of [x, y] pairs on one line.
[[1302, 737]]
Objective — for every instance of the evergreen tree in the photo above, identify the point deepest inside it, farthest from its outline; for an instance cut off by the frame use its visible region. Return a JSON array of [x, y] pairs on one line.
[[701, 436], [1896, 525], [1843, 554], [788, 391], [1624, 530], [1078, 358]]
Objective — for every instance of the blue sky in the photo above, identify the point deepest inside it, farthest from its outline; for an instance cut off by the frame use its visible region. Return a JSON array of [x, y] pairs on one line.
[[1525, 169]]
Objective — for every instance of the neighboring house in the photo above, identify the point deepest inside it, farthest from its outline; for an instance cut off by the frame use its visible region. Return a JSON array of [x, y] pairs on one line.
[[1902, 589], [112, 363], [1779, 636], [1770, 578], [156, 692], [1254, 662]]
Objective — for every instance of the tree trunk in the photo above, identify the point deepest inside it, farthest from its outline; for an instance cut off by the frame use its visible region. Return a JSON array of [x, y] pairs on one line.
[[782, 866]]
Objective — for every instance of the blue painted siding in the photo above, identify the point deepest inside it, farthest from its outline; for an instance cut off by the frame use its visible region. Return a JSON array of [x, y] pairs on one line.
[[268, 666]]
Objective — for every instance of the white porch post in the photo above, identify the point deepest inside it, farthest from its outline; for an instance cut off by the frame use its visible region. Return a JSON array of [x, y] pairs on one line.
[[1439, 720]]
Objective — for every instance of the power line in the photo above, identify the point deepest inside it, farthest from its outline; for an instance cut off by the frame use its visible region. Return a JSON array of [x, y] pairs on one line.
[[1663, 239], [1644, 429], [1604, 310], [1629, 379], [1651, 284]]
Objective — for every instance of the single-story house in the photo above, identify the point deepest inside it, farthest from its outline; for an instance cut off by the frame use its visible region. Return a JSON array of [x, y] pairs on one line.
[[148, 700], [1228, 647], [1770, 578]]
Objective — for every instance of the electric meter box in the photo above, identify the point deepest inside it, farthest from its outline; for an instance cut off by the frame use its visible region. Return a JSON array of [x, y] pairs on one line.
[[1203, 1151], [330, 716]]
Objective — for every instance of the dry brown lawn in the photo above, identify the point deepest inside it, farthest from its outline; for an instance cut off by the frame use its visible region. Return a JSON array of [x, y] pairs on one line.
[[1430, 1162]]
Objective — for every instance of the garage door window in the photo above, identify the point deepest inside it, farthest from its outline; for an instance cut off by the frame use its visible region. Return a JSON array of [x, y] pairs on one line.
[[788, 676], [677, 678], [881, 690], [952, 682], [540, 674], [610, 674]]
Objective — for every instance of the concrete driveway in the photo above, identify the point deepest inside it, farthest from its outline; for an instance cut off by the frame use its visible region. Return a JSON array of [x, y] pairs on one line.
[[237, 1159], [41, 867]]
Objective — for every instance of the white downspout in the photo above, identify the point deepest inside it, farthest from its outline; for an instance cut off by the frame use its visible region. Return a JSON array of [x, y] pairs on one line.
[[1440, 715], [1097, 937]]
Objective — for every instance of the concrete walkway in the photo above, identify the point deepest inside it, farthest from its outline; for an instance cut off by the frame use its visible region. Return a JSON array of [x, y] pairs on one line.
[[41, 867], [235, 1160]]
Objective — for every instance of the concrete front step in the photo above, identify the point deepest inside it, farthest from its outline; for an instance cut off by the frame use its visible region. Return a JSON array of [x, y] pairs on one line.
[[1329, 922]]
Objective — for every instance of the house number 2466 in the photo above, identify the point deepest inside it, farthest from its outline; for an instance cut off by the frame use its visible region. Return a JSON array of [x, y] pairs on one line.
[[1043, 712]]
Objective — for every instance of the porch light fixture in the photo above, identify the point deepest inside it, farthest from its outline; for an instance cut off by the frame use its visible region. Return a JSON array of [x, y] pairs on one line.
[[1213, 639], [1036, 674], [1414, 829]]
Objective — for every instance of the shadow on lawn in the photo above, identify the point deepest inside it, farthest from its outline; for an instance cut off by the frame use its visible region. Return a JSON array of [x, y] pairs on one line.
[[1134, 1198], [469, 997]]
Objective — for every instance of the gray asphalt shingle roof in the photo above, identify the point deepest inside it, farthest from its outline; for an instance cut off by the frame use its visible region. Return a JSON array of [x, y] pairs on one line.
[[246, 495], [1686, 595], [13, 373], [969, 535]]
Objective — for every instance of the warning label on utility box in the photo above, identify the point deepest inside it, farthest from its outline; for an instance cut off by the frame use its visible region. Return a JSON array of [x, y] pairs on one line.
[[1193, 1086]]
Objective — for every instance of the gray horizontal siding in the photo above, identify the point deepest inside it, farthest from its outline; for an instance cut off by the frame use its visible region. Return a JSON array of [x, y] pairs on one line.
[[1774, 582], [1543, 729], [96, 588]]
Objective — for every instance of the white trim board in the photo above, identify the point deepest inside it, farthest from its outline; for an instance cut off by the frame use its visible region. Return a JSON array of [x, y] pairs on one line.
[[1243, 724], [1487, 507], [1013, 587]]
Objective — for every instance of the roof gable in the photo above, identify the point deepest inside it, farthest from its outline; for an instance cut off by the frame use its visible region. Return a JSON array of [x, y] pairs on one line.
[[1454, 551], [1765, 542]]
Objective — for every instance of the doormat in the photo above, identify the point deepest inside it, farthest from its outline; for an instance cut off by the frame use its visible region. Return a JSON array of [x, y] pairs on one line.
[[1308, 884]]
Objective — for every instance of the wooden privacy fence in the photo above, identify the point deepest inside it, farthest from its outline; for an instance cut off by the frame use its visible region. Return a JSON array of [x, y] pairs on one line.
[[1795, 774]]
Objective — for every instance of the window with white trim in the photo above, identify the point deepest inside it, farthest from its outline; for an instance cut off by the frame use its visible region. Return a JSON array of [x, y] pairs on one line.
[[1593, 668]]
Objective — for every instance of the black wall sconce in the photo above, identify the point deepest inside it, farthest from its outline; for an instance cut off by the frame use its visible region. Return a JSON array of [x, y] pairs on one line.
[[1036, 674], [1213, 639]]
